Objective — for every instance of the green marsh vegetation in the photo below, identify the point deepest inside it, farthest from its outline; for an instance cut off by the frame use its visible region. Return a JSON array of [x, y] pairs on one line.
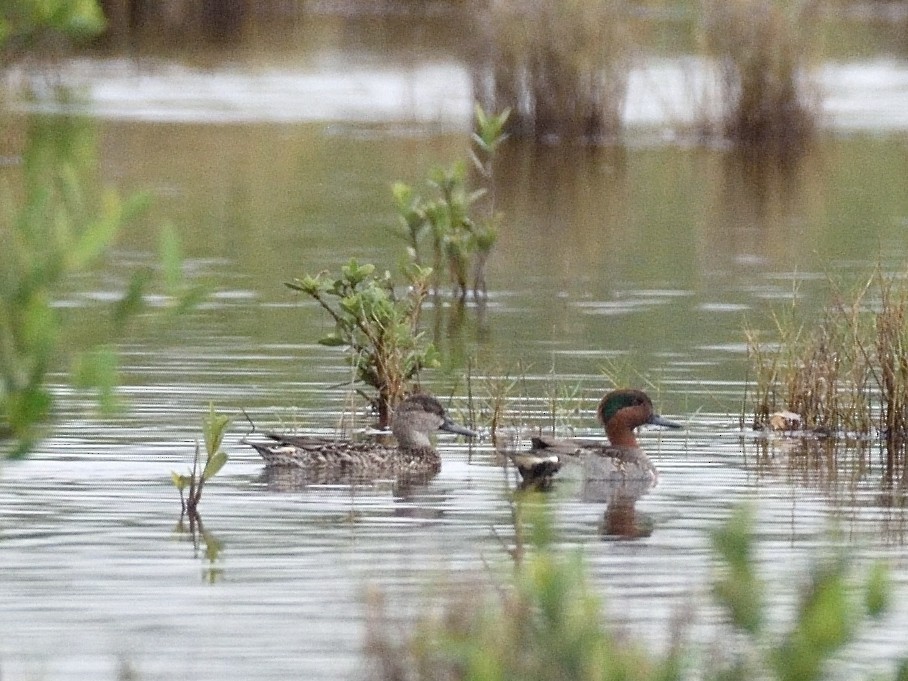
[[543, 621], [56, 225], [191, 484], [378, 326], [451, 219], [43, 27]]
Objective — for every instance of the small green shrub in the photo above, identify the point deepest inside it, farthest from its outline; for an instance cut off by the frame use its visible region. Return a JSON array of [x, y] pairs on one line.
[[379, 328], [447, 222], [190, 485]]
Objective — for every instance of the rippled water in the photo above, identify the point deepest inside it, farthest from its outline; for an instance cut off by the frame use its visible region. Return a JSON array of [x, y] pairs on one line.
[[640, 261], [95, 571]]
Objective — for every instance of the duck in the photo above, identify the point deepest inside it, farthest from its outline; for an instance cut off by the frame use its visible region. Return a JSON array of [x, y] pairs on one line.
[[414, 419], [622, 459]]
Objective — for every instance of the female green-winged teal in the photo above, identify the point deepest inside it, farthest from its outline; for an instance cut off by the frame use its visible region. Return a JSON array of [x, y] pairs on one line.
[[620, 412], [412, 422]]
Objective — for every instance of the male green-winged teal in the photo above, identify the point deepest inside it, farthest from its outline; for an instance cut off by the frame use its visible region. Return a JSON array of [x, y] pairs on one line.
[[411, 423], [620, 412]]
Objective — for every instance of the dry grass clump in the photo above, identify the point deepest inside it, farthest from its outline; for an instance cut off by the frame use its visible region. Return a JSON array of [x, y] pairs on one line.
[[846, 373], [560, 67], [892, 356], [762, 48]]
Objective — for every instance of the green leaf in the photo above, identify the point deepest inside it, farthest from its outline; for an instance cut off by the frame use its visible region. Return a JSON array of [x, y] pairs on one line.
[[79, 19], [135, 205], [39, 324], [98, 236], [189, 299], [332, 341], [179, 481], [355, 273], [171, 255], [213, 465], [738, 589], [489, 133], [308, 284], [403, 194], [98, 369], [213, 428], [878, 590], [26, 408], [132, 301]]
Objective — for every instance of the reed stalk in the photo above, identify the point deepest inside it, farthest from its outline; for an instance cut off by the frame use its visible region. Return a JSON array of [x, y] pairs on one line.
[[560, 67], [761, 49]]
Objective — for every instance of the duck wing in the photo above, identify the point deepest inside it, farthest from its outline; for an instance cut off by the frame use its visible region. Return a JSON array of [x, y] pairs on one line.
[[309, 442], [552, 445]]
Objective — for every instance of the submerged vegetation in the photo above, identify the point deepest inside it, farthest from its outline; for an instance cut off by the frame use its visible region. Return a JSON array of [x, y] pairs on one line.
[[846, 372], [545, 622]]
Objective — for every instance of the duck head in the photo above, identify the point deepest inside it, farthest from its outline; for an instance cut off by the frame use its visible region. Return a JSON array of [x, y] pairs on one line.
[[621, 411], [418, 416]]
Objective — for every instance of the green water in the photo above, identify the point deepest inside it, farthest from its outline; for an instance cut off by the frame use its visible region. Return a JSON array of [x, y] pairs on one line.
[[659, 253]]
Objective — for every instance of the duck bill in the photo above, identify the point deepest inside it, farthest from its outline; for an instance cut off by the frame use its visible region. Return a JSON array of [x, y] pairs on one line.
[[451, 427], [656, 420]]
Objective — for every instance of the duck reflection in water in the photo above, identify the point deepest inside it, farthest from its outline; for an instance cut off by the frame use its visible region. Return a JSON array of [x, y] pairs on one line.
[[296, 460], [617, 473]]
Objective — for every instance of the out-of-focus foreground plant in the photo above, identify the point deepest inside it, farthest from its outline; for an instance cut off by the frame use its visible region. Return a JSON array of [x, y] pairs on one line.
[[546, 623], [55, 224], [37, 26]]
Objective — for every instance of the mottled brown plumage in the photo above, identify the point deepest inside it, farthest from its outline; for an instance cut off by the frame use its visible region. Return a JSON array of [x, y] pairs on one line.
[[325, 458]]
